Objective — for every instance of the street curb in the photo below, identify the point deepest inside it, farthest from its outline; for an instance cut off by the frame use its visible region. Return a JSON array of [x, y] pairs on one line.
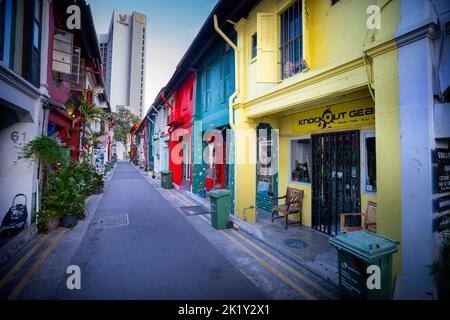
[[56, 263], [10, 249], [257, 234], [245, 226]]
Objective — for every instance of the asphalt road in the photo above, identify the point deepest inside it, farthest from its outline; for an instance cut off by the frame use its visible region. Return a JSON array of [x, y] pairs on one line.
[[151, 254]]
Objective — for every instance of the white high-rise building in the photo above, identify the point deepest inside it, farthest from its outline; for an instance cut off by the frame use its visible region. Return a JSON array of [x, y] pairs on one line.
[[123, 54]]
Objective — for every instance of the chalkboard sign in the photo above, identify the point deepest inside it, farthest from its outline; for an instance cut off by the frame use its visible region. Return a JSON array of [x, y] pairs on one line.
[[443, 159]]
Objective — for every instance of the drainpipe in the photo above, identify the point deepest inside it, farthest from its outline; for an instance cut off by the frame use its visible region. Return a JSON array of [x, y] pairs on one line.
[[237, 73], [167, 102], [154, 123]]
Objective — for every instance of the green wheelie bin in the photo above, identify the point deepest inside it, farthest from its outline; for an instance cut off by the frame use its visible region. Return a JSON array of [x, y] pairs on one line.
[[220, 208], [365, 265], [166, 179]]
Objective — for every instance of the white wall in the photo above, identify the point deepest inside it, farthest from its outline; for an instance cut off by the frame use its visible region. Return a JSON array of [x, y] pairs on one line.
[[417, 49], [417, 142], [18, 176]]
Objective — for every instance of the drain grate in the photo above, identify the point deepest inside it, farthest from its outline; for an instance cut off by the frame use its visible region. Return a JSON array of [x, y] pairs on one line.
[[295, 243], [194, 210], [117, 220]]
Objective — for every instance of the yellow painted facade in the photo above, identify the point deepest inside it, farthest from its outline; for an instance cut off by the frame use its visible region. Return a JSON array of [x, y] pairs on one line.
[[347, 65]]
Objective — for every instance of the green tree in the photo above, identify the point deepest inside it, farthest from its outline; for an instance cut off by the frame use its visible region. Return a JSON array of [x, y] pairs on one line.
[[89, 113], [124, 119]]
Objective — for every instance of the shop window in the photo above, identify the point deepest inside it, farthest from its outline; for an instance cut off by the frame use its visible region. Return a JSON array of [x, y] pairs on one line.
[[25, 32], [33, 73], [370, 168], [300, 162], [2, 26], [291, 40], [254, 46]]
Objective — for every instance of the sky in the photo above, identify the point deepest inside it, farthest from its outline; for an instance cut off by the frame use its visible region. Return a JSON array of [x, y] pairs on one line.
[[171, 26]]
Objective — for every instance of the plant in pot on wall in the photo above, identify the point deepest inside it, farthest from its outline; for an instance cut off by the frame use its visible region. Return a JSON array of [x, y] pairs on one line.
[[48, 219], [98, 183], [66, 199]]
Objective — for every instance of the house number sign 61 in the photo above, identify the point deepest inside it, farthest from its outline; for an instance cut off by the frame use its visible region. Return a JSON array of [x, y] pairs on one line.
[[17, 136]]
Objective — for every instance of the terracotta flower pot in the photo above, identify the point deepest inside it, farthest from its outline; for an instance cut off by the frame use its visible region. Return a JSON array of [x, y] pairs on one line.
[[53, 223]]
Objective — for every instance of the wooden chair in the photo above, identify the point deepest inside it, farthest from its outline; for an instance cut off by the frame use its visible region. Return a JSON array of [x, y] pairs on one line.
[[293, 205], [370, 219]]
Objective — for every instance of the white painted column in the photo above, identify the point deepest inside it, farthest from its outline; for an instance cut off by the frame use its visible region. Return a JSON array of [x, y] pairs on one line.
[[417, 143]]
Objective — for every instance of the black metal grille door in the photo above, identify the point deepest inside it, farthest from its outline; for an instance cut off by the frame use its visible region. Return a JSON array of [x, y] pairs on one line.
[[335, 180]]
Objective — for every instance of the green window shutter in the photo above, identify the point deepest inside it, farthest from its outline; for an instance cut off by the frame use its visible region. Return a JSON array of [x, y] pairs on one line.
[[306, 24], [203, 93], [222, 77], [267, 62]]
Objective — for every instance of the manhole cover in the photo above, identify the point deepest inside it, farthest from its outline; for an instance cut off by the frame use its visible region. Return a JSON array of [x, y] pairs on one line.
[[117, 220], [295, 243], [194, 210]]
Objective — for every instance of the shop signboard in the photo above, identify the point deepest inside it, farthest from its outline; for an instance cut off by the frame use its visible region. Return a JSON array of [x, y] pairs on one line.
[[335, 116], [443, 204], [443, 160]]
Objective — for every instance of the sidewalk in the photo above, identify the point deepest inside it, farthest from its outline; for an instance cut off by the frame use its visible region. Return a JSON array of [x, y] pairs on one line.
[[302, 245], [35, 271]]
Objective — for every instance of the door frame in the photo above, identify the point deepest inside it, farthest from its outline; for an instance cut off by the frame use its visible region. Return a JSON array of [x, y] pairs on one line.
[[186, 166], [325, 202], [264, 199]]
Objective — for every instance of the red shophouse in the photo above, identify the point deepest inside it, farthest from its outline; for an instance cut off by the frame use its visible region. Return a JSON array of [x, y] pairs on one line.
[[180, 129], [145, 134], [73, 72]]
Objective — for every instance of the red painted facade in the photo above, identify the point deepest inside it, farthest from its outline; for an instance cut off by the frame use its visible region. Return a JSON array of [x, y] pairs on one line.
[[67, 127], [180, 123]]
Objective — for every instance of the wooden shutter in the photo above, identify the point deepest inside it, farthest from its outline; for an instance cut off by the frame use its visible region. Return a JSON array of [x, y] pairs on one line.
[[267, 62], [222, 71], [306, 22]]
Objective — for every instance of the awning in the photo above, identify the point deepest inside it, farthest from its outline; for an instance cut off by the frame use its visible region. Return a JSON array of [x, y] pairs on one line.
[[12, 113], [50, 104]]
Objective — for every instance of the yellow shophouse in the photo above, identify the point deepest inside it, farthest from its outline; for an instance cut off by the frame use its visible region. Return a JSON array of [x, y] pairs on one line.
[[317, 84]]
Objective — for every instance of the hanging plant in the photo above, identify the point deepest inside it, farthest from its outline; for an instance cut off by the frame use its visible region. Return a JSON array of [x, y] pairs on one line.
[[47, 150]]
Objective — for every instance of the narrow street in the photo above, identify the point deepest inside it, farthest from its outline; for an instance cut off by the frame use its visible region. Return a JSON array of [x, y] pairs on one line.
[[140, 245]]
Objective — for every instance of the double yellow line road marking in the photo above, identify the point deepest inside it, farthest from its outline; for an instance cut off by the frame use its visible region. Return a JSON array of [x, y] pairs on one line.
[[22, 261], [184, 200], [188, 202], [27, 277], [288, 268], [326, 293], [277, 261]]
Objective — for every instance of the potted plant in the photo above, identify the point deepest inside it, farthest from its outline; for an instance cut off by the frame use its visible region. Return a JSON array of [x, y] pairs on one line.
[[66, 198], [75, 211], [48, 220], [441, 268], [98, 183]]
